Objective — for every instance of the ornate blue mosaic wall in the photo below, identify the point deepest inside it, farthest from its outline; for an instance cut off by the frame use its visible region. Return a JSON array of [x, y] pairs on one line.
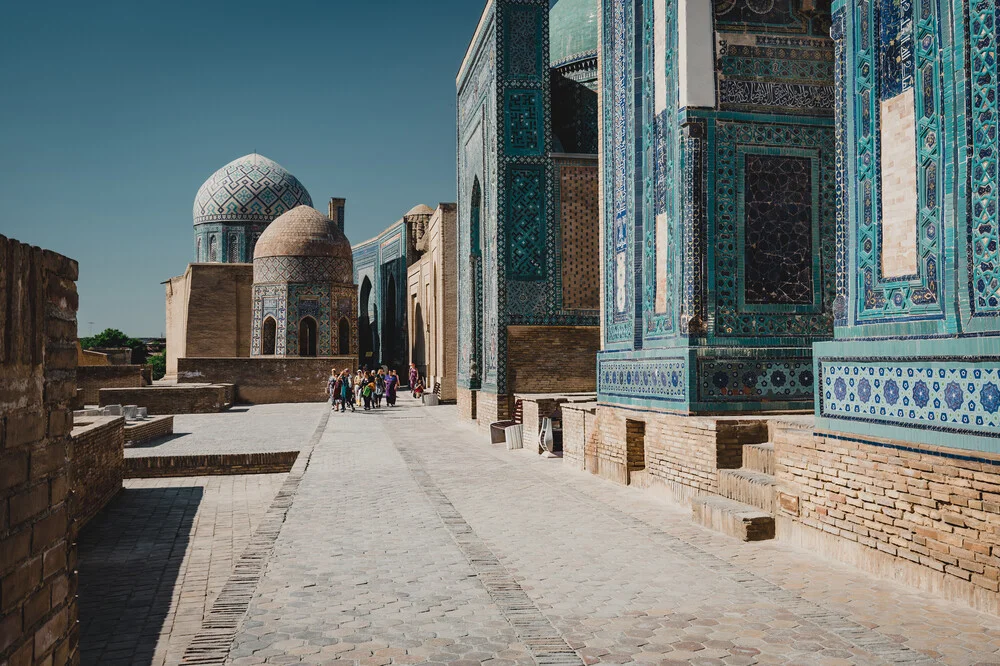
[[382, 315], [509, 260], [917, 355], [719, 223]]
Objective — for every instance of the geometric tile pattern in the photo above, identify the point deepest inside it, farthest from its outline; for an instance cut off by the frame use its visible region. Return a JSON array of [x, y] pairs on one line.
[[755, 380], [302, 270], [945, 395], [984, 186], [252, 188], [659, 379]]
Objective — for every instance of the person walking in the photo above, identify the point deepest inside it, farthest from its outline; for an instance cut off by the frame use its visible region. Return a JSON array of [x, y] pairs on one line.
[[359, 380], [391, 383], [331, 388], [414, 375], [346, 391], [379, 388], [367, 391]]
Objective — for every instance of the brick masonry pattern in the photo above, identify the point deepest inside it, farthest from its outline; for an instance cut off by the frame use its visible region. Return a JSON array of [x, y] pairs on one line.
[[97, 466], [38, 610]]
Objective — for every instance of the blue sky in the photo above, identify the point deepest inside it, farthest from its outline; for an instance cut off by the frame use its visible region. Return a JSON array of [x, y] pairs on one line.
[[115, 112]]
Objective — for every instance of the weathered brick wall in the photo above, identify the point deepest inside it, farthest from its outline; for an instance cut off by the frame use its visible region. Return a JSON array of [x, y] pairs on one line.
[[682, 453], [552, 359], [213, 464], [579, 433], [98, 464], [146, 431], [38, 303], [490, 408], [267, 380], [466, 400], [209, 313], [896, 509], [161, 400], [92, 379]]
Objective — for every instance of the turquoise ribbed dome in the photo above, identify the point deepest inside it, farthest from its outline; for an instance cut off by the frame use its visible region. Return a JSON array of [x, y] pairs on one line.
[[572, 31]]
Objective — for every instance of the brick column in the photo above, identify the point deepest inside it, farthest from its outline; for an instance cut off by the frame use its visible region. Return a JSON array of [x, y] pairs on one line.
[[38, 303]]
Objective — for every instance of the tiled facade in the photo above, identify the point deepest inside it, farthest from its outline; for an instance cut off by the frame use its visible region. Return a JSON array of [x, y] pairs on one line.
[[380, 266], [527, 166], [916, 355], [719, 204]]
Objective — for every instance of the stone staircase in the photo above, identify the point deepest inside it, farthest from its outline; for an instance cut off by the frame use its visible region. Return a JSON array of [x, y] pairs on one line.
[[744, 507]]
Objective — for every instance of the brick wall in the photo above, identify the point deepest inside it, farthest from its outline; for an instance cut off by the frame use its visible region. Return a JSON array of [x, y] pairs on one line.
[[490, 408], [579, 433], [552, 359], [913, 515], [580, 228], [536, 407], [267, 380], [466, 400], [146, 431], [92, 379], [214, 464], [681, 453], [98, 464], [171, 399], [38, 303]]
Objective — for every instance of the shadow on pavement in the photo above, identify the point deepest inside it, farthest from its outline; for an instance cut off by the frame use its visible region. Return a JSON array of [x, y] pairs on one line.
[[130, 557]]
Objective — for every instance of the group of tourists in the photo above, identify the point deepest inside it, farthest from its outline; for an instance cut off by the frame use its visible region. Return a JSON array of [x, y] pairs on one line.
[[366, 387]]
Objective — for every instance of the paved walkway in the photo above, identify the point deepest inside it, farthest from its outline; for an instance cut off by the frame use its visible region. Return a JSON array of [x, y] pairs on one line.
[[242, 429], [409, 539]]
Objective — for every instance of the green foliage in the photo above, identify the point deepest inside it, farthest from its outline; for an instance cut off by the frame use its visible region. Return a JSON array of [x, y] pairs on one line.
[[159, 364], [112, 338]]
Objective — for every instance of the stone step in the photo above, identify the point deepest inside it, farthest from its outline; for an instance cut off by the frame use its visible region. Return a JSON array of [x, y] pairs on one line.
[[747, 486], [759, 457], [733, 518]]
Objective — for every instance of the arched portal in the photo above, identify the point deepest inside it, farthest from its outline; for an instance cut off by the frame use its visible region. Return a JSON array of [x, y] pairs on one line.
[[365, 349], [418, 340], [344, 337], [307, 337], [476, 290], [390, 334], [269, 336]]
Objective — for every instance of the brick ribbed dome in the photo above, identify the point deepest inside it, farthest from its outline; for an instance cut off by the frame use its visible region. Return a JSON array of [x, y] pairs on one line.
[[303, 245]]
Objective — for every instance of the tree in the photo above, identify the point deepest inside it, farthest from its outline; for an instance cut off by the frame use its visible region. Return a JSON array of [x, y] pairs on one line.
[[112, 338], [159, 364]]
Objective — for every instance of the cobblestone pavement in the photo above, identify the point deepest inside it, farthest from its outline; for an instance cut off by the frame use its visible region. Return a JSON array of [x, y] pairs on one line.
[[156, 557], [242, 429], [411, 540]]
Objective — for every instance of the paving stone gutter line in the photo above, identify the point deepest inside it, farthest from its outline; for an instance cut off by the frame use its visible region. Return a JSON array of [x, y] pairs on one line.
[[544, 642], [219, 626]]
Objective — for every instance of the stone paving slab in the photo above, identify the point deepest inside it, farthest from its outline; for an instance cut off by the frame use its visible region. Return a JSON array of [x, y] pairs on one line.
[[242, 429], [412, 540], [155, 558]]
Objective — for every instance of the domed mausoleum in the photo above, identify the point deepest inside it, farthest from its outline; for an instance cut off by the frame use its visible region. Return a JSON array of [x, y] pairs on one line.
[[304, 297], [236, 204]]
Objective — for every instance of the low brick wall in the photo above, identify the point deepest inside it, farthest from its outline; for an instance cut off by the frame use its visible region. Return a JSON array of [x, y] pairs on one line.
[[91, 379], [140, 432], [535, 407], [926, 517], [580, 433], [491, 408], [216, 464], [466, 404], [206, 399], [681, 453], [98, 464], [267, 380]]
